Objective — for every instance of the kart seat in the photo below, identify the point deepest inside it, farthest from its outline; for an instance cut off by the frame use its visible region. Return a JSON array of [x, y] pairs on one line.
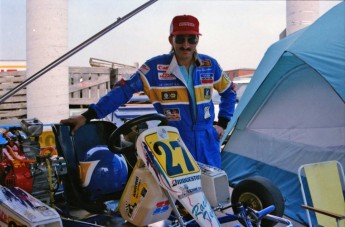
[[72, 147]]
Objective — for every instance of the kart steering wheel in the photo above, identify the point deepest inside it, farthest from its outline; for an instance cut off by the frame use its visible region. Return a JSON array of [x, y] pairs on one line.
[[114, 142]]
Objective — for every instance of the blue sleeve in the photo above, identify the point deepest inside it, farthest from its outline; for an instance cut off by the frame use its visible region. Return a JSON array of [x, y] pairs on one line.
[[227, 103], [227, 94], [118, 96]]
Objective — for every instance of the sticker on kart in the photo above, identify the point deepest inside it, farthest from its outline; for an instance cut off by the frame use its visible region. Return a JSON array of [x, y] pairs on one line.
[[170, 152]]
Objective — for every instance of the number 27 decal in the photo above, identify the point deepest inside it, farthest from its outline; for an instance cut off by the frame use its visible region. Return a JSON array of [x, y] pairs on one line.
[[174, 159]]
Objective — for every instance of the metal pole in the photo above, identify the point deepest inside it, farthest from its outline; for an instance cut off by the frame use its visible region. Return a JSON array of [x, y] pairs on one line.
[[75, 50]]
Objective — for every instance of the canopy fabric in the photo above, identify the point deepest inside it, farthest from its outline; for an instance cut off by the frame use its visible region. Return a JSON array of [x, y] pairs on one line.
[[293, 110]]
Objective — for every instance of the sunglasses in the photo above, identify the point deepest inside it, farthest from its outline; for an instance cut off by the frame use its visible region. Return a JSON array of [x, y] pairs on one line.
[[191, 39]]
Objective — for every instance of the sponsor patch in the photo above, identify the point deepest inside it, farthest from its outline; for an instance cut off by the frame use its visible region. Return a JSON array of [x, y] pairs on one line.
[[161, 207], [172, 114], [185, 180], [144, 69], [186, 24], [162, 134], [162, 67], [207, 112], [206, 78], [188, 191], [138, 193], [207, 93], [169, 95], [120, 83], [226, 76], [206, 63], [166, 76]]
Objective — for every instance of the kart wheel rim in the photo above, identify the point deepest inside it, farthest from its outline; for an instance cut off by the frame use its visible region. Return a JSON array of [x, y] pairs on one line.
[[251, 200]]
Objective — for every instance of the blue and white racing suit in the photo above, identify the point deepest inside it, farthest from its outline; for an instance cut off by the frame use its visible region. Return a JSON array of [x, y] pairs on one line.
[[161, 79]]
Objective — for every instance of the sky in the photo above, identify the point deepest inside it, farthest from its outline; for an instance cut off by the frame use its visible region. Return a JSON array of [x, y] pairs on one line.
[[236, 33]]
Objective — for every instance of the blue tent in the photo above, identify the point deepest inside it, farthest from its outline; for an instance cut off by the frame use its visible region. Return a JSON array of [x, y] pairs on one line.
[[293, 110]]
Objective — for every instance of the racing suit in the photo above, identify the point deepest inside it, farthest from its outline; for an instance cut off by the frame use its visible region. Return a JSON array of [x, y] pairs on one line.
[[161, 79]]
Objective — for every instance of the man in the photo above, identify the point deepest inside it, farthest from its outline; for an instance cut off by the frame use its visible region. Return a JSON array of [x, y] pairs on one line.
[[180, 86]]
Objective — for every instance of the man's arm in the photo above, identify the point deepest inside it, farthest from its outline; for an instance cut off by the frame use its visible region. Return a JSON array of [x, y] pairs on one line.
[[108, 103]]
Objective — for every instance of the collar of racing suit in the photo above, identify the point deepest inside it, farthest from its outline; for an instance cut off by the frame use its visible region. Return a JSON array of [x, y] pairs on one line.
[[174, 67]]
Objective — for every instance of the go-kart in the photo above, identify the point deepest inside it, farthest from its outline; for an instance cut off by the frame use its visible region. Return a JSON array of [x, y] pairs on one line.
[[140, 175]]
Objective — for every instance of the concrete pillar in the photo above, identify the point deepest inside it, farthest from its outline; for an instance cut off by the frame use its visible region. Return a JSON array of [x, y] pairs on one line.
[[47, 40], [300, 14]]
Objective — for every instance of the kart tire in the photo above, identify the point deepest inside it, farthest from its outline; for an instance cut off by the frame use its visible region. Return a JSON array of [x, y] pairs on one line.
[[258, 192]]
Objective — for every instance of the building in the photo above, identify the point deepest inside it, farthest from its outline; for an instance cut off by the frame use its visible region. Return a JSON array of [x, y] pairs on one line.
[[12, 65], [245, 72]]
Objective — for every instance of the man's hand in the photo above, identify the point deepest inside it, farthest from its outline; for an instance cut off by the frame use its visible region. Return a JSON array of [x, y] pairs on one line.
[[219, 130], [74, 122]]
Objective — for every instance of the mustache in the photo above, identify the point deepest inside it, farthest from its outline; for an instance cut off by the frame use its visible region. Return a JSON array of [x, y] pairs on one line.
[[183, 49]]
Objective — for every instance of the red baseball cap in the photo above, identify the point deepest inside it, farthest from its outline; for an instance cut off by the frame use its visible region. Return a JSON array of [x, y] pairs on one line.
[[184, 25]]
